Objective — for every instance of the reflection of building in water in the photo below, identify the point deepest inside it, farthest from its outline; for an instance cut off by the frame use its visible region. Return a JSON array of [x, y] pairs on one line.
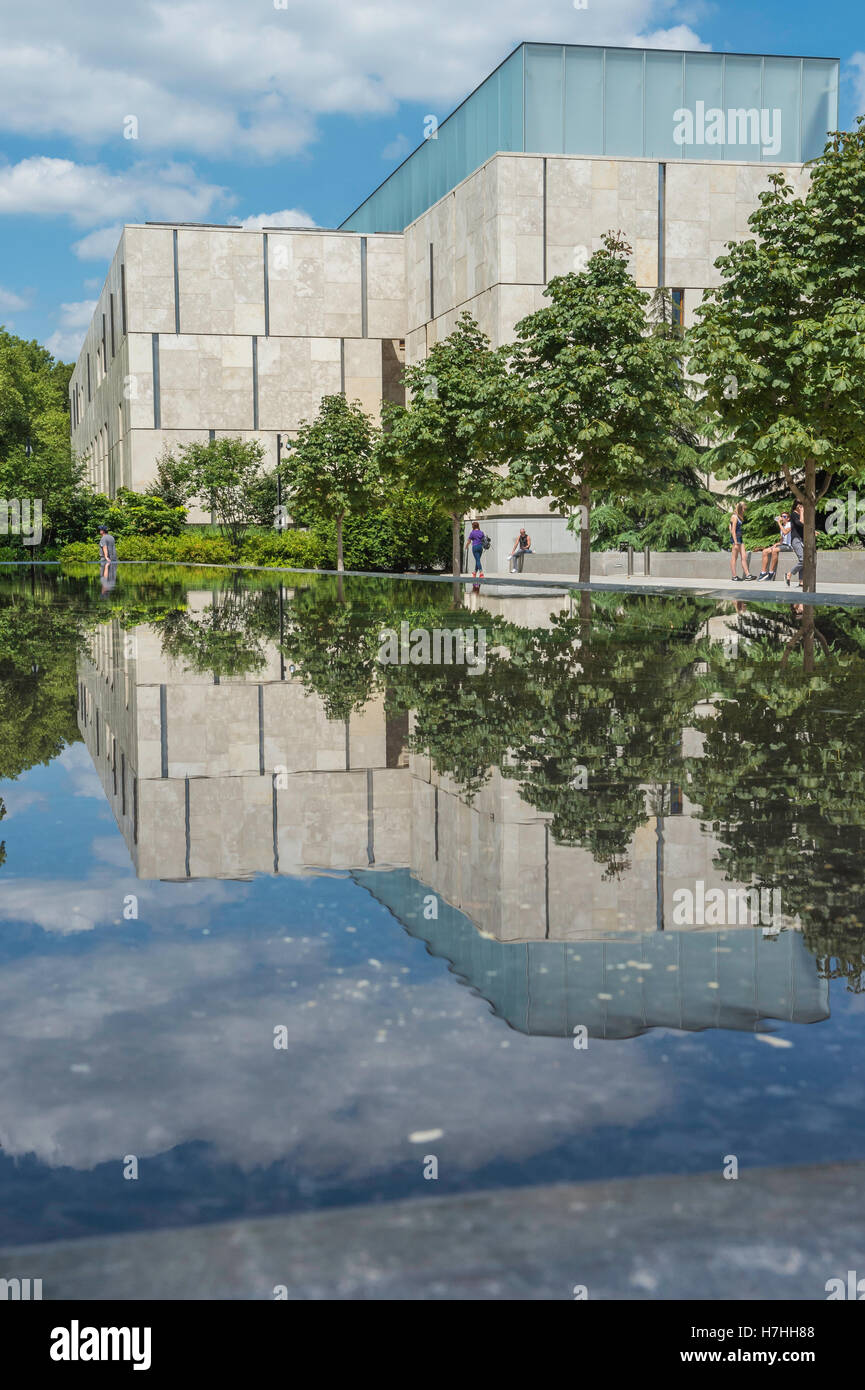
[[193, 766], [617, 988], [213, 778]]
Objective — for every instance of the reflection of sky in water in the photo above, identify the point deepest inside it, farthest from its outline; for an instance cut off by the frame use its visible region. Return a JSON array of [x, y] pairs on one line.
[[154, 1037]]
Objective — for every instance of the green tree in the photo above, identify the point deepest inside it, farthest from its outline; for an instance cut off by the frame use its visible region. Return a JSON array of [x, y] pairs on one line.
[[781, 341], [36, 460], [170, 483], [452, 440], [596, 394], [329, 471], [220, 476]]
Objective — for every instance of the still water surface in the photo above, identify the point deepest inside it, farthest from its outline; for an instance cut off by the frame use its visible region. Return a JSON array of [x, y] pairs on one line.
[[279, 920]]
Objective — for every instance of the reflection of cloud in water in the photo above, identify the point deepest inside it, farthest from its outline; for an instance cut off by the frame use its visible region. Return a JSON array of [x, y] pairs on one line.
[[178, 1037], [70, 905], [82, 775], [17, 799]]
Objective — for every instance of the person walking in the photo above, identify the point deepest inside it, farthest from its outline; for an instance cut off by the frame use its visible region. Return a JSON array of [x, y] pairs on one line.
[[737, 521], [797, 540], [476, 541], [522, 547]]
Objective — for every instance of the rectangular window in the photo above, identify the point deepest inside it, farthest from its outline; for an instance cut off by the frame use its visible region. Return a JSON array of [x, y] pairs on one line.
[[113, 342], [176, 286], [432, 301], [123, 299], [89, 386], [104, 349], [678, 303], [157, 423]]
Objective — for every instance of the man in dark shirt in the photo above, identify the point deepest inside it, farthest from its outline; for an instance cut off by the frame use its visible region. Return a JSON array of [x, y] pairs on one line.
[[797, 540], [107, 547]]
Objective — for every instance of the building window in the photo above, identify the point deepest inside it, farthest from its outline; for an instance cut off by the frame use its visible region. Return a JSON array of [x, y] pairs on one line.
[[113, 343], [677, 299], [123, 299]]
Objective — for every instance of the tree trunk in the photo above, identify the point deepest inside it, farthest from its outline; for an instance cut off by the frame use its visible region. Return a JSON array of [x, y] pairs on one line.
[[809, 568], [585, 534], [456, 544], [339, 564]]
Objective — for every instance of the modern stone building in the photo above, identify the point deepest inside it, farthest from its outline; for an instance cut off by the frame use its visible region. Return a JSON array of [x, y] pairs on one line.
[[206, 330]]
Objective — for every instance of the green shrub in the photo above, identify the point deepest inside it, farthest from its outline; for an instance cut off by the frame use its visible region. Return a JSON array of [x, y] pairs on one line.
[[406, 534], [204, 549], [301, 548]]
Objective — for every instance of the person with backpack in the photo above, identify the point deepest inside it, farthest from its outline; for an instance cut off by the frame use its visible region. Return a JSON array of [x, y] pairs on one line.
[[477, 541]]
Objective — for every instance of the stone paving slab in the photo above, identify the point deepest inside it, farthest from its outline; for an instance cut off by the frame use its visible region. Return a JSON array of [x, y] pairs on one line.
[[773, 1233]]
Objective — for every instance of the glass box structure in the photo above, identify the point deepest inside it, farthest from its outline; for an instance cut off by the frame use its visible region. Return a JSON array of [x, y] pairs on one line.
[[628, 102]]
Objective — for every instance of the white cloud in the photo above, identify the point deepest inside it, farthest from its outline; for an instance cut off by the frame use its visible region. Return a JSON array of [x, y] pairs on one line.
[[398, 148], [65, 344], [98, 246], [855, 74], [77, 315], [88, 193], [65, 347], [290, 217], [10, 300], [220, 78]]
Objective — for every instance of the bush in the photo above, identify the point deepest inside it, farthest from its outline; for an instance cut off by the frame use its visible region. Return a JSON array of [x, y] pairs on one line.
[[136, 514], [408, 533], [211, 550], [301, 548]]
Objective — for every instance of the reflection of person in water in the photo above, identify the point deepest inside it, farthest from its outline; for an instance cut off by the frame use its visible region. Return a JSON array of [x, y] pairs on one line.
[[108, 574]]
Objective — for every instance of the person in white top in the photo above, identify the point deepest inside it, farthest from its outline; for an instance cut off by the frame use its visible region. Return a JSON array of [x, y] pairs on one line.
[[769, 563]]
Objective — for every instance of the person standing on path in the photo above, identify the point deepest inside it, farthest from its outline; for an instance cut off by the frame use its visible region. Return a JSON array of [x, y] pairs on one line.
[[476, 541], [107, 546], [797, 540], [737, 521]]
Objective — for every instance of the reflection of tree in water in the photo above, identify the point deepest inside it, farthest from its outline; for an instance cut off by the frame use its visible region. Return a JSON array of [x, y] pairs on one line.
[[582, 716], [781, 777], [332, 632], [227, 638], [38, 683], [612, 697]]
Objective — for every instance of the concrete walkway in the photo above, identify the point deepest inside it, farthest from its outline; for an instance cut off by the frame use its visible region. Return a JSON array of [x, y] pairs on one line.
[[722, 589], [773, 1233]]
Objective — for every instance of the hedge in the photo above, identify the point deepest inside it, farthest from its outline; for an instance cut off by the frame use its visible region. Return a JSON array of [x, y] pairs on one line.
[[207, 549], [371, 543]]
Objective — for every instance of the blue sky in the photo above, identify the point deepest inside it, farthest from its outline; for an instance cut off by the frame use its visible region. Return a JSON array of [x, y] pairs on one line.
[[277, 110]]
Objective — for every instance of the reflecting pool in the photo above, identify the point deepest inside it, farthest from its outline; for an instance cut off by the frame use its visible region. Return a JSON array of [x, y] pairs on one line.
[[303, 884]]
